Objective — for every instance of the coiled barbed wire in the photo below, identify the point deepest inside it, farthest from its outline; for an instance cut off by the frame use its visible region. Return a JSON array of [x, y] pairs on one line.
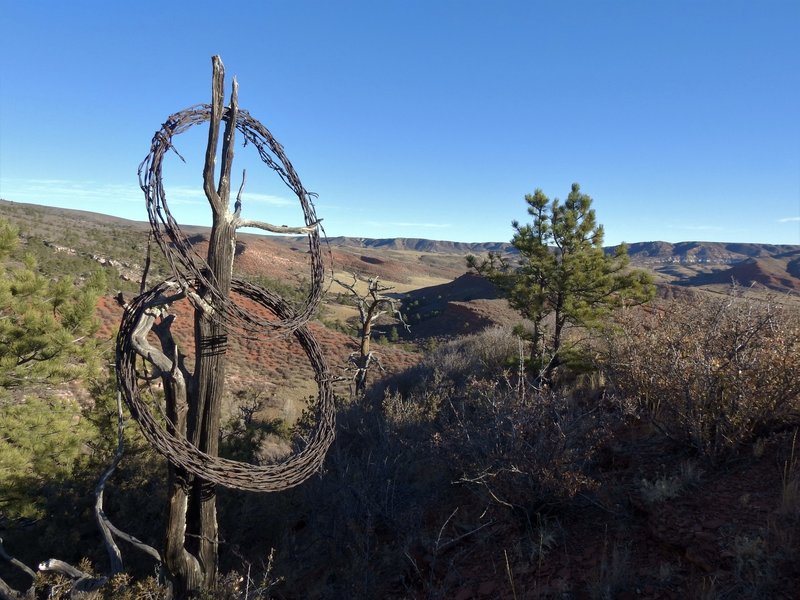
[[186, 264], [193, 279], [180, 451]]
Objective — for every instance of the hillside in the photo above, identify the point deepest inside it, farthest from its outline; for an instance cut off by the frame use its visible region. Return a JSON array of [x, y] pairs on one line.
[[699, 264], [427, 274], [704, 252], [774, 273], [463, 483], [439, 299], [402, 259], [422, 245]]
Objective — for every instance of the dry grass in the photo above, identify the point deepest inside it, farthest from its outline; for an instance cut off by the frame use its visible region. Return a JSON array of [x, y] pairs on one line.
[[401, 286]]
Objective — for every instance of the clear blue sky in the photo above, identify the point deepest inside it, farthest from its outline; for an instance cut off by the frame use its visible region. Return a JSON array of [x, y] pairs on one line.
[[426, 118]]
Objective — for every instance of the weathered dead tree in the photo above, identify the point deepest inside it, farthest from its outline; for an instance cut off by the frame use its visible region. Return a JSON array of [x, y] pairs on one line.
[[372, 305], [185, 426]]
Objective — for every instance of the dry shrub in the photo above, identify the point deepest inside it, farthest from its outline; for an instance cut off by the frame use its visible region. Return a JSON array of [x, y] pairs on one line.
[[350, 532], [410, 473], [491, 354], [231, 586], [523, 451], [530, 455], [713, 373]]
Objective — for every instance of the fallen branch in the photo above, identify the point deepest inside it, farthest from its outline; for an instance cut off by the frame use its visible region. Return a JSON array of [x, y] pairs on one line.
[[6, 591], [83, 582]]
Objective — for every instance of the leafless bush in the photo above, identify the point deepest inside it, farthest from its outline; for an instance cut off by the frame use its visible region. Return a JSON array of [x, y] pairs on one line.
[[401, 506], [523, 453], [527, 455], [713, 373], [349, 533], [408, 477]]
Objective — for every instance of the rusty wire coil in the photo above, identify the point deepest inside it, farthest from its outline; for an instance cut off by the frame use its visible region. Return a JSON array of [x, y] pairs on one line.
[[193, 277], [186, 264], [180, 451]]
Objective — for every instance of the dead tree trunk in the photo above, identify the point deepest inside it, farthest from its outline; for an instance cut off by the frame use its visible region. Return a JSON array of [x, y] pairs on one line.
[[192, 398], [371, 306], [210, 331], [193, 513]]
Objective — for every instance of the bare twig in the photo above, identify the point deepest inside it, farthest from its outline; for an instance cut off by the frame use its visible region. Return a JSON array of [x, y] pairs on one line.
[[463, 536], [510, 575], [17, 563], [114, 555], [441, 530]]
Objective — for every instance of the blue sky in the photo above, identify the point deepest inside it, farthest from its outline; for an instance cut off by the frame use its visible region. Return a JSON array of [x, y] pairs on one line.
[[429, 118]]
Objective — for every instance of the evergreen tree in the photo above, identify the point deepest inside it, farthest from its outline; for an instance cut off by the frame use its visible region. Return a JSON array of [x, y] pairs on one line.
[[45, 324], [564, 276], [46, 327]]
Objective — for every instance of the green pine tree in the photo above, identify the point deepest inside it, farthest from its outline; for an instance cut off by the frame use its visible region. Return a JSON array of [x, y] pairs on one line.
[[46, 337], [46, 324], [564, 276]]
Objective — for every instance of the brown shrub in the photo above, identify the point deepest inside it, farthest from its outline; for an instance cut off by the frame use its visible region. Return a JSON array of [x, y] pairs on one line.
[[714, 373], [530, 455], [525, 452]]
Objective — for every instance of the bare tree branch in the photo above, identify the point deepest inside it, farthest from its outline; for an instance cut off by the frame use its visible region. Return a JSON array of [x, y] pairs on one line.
[[9, 593], [17, 563], [224, 188], [136, 543], [193, 398], [83, 582], [305, 229], [238, 205], [146, 270], [371, 306], [114, 555], [217, 93], [107, 528]]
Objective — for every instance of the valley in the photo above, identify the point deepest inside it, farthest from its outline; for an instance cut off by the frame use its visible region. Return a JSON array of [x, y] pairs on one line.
[[454, 481], [429, 277]]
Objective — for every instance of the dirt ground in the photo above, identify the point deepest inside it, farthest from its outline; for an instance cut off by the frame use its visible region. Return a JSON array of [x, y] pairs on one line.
[[732, 531]]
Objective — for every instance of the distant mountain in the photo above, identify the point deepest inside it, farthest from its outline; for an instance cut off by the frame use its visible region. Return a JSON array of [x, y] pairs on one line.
[[422, 245], [705, 252], [776, 267], [773, 273], [398, 259]]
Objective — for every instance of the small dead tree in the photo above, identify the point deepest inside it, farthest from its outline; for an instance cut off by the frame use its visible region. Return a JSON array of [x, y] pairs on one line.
[[185, 425], [372, 305]]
